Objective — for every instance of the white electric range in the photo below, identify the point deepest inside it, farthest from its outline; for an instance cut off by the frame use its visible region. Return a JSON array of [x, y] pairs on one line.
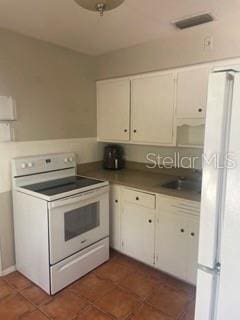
[[61, 220]]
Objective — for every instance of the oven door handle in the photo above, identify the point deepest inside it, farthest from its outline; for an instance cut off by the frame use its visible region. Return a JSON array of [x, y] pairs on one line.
[[79, 197]]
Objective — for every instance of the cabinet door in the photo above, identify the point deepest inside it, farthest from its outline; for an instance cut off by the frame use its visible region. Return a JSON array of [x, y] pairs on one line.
[[153, 109], [192, 88], [115, 217], [171, 244], [113, 110], [137, 232], [193, 236]]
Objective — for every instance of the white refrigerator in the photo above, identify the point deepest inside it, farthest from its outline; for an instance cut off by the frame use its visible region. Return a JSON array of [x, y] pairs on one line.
[[218, 283]]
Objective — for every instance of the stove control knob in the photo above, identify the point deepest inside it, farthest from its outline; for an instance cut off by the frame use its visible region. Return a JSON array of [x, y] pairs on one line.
[[23, 165], [66, 160], [30, 165]]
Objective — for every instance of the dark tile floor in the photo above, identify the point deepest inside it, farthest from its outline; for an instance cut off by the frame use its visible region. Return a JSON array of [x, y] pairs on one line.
[[120, 289]]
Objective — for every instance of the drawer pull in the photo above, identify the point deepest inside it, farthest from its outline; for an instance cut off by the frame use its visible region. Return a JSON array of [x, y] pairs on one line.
[[125, 130], [182, 230], [71, 263], [116, 201], [150, 221], [137, 198], [192, 234]]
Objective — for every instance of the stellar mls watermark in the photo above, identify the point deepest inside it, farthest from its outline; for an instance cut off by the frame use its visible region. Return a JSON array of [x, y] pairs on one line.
[[155, 160]]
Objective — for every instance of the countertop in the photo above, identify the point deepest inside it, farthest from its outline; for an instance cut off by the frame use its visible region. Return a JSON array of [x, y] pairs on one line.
[[135, 176]]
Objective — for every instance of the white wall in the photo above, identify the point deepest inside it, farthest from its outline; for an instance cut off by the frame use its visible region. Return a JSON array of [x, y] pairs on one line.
[[182, 48], [54, 88], [87, 150], [138, 153]]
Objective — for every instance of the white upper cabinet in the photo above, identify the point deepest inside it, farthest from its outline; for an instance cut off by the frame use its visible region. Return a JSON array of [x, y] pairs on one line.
[[153, 109], [192, 88], [148, 109], [113, 110]]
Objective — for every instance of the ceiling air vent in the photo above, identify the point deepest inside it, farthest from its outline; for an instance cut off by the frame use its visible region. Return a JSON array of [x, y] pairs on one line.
[[194, 21]]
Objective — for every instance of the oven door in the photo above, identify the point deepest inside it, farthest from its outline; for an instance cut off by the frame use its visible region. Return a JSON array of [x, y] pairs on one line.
[[77, 222]]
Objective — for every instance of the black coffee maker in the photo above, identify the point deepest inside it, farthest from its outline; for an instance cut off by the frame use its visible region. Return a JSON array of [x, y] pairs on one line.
[[113, 157]]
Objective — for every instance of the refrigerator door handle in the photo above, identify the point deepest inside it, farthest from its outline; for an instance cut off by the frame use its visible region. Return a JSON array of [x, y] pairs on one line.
[[215, 270], [228, 291], [216, 139]]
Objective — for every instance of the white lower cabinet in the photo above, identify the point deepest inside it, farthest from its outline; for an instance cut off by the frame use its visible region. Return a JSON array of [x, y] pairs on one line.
[[160, 231], [193, 236], [115, 217], [177, 232], [171, 246], [137, 225]]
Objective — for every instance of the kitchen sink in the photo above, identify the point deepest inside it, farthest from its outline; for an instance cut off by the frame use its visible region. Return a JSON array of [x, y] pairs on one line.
[[184, 185]]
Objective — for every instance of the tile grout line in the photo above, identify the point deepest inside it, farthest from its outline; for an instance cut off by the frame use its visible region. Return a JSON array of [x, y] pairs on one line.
[[36, 306], [116, 285]]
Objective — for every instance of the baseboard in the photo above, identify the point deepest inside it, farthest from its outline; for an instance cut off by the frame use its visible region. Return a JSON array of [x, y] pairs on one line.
[[7, 271]]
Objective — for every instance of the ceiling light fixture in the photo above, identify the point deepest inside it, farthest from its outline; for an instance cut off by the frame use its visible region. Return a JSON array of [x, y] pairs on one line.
[[99, 5]]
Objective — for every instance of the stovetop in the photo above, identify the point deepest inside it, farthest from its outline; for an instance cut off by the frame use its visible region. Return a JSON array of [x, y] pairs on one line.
[[59, 186]]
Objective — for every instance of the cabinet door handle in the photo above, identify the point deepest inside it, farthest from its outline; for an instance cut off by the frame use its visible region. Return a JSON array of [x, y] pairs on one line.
[[125, 130], [192, 234], [137, 198], [200, 110], [134, 130], [182, 230], [116, 201], [150, 221]]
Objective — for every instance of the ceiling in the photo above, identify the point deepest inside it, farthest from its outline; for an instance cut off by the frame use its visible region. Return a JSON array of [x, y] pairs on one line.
[[64, 23]]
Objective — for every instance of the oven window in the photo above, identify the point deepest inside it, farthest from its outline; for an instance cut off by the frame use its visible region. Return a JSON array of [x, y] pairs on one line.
[[79, 221]]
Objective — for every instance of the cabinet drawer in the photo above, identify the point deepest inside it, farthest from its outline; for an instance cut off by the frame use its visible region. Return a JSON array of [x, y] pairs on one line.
[[174, 205], [143, 199]]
